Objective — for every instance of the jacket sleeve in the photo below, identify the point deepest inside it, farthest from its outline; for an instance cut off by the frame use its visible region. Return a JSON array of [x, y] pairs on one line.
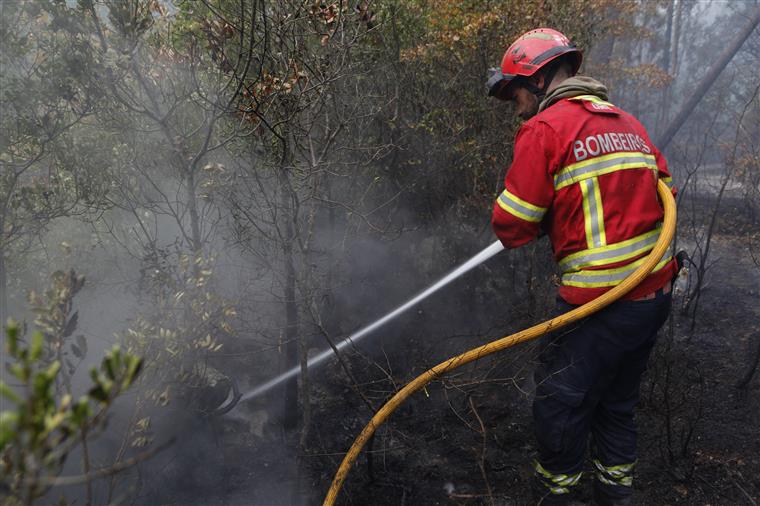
[[662, 171], [529, 187]]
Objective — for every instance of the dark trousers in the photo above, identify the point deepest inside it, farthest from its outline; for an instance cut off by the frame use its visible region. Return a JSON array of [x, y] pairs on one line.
[[587, 383]]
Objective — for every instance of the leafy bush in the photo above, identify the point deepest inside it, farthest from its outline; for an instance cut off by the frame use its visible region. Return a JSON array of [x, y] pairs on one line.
[[42, 428]]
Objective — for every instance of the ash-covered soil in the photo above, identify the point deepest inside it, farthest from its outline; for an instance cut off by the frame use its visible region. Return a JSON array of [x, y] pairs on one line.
[[467, 440]]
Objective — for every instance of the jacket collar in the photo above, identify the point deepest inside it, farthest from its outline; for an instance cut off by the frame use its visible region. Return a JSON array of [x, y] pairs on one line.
[[572, 87]]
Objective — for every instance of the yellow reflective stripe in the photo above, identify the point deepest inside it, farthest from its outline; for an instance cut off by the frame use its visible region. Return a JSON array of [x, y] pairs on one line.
[[556, 483], [587, 216], [606, 277], [591, 98], [516, 206], [593, 214], [668, 181], [604, 164], [567, 481], [621, 474], [626, 481], [611, 253], [541, 470], [618, 470]]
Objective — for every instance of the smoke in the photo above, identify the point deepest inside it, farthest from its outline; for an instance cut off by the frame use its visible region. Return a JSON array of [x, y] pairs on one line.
[[364, 241], [355, 337]]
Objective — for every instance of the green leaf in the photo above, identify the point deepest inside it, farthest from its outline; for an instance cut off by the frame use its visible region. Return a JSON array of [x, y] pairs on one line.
[[53, 421], [35, 350], [41, 385], [98, 393], [112, 362], [8, 421], [52, 371], [81, 411], [94, 375], [108, 387], [20, 372], [11, 330], [134, 364], [108, 366], [8, 393]]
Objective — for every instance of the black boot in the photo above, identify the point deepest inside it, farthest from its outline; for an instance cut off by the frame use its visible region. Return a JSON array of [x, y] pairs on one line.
[[542, 496], [611, 495]]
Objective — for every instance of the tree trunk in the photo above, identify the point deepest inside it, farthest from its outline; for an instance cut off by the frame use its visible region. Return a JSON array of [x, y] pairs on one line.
[[747, 376], [676, 39], [3, 288], [192, 206], [720, 63], [666, 55], [3, 277], [668, 42], [291, 414], [602, 52]]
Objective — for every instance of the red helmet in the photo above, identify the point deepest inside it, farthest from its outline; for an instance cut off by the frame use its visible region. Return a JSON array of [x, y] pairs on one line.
[[530, 52]]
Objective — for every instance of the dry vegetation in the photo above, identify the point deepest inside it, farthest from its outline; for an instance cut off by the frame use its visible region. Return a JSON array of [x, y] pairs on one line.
[[245, 183]]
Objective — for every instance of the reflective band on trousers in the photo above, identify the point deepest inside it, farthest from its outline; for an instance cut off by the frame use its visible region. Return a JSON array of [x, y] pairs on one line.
[[516, 206], [621, 474], [606, 277], [612, 253], [604, 164], [556, 483]]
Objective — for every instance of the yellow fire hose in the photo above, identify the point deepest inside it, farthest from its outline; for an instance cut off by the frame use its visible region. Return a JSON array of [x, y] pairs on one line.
[[668, 229]]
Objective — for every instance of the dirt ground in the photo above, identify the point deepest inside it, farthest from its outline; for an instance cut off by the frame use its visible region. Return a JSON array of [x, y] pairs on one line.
[[467, 440], [699, 434]]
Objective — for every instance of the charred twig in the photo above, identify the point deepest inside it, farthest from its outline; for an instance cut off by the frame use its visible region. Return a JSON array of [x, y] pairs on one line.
[[744, 382], [482, 459], [57, 481], [470, 496], [344, 365], [737, 485], [86, 467]]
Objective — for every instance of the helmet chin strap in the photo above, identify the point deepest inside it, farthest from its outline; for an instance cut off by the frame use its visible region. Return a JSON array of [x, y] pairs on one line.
[[540, 93]]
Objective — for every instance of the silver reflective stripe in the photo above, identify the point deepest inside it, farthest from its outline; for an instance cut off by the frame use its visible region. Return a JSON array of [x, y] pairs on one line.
[[623, 482], [606, 277], [567, 481], [520, 208], [602, 165], [611, 253], [594, 217], [556, 483], [621, 474]]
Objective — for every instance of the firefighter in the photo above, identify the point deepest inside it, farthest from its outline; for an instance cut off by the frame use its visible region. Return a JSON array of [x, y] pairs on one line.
[[584, 172]]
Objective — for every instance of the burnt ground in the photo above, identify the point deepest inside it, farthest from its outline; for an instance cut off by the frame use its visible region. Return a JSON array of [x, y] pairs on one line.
[[467, 440]]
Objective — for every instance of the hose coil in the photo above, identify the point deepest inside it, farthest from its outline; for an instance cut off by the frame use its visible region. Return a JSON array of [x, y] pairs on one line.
[[628, 284]]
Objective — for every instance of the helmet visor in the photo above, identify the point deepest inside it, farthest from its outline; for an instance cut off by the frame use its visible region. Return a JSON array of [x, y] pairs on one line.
[[500, 85]]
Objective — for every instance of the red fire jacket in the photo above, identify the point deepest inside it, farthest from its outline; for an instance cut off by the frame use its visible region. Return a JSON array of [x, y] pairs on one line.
[[586, 173]]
